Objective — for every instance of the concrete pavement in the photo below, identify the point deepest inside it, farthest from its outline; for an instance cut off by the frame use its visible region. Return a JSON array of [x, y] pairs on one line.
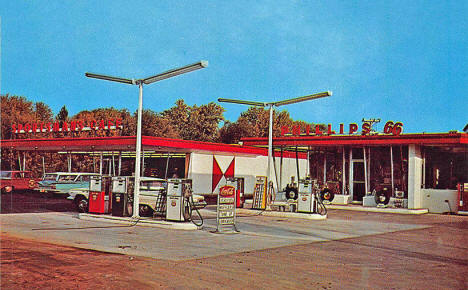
[[257, 232]]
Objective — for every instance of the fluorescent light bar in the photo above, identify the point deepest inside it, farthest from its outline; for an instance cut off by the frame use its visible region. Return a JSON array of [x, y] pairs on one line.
[[250, 103], [109, 78], [175, 72], [302, 99]]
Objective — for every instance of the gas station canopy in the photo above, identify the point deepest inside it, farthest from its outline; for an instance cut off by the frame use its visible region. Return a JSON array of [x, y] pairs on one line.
[[127, 143]]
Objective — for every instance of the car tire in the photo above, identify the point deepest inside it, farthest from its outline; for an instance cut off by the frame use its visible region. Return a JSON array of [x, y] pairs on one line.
[[382, 198], [327, 194], [291, 193], [145, 210], [82, 204]]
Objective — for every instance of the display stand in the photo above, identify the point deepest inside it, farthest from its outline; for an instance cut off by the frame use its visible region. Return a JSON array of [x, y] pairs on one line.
[[259, 194], [226, 210]]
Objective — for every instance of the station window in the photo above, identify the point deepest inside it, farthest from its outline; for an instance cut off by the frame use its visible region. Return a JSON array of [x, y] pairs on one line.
[[445, 167]]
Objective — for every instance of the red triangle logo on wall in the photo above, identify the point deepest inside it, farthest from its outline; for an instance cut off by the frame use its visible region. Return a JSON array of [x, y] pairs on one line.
[[218, 173]]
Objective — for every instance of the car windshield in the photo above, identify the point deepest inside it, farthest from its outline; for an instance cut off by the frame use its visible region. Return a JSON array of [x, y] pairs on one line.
[[5, 174], [152, 185], [50, 177], [66, 177]]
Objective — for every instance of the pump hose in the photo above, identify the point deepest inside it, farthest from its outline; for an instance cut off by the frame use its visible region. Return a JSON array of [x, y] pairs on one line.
[[321, 209], [191, 208]]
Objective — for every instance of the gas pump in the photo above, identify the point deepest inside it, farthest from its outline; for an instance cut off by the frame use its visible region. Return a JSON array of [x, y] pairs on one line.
[[308, 200], [179, 201], [122, 195], [178, 191], [238, 183], [99, 192]]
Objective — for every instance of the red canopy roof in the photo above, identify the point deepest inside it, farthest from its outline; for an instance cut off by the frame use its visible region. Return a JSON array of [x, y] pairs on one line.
[[128, 144], [359, 140]]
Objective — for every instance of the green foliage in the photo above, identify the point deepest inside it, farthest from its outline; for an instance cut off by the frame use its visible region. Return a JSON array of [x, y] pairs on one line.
[[200, 123], [62, 115], [195, 123]]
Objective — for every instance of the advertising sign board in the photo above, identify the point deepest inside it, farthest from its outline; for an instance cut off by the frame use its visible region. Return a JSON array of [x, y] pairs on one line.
[[226, 212]]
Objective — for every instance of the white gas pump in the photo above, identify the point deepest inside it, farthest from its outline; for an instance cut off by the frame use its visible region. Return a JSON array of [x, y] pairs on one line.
[[122, 195], [179, 201], [308, 200], [175, 205]]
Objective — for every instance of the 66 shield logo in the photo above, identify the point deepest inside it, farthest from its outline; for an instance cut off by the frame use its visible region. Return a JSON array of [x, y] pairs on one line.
[[227, 191]]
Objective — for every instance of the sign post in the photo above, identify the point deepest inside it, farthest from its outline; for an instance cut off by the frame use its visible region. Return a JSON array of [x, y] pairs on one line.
[[226, 212]]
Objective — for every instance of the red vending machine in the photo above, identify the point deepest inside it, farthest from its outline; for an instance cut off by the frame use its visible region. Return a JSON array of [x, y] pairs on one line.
[[238, 183], [462, 197], [99, 194]]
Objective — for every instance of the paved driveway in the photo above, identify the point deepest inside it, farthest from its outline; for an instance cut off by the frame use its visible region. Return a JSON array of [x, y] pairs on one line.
[[256, 233]]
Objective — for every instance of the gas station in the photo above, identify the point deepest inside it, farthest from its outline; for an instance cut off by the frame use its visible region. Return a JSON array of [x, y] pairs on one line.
[[206, 168], [303, 171]]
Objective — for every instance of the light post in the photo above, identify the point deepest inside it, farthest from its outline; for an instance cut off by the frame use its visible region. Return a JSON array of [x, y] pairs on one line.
[[270, 126], [140, 83]]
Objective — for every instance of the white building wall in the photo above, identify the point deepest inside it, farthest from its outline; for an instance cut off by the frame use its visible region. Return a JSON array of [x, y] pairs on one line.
[[414, 177], [201, 170]]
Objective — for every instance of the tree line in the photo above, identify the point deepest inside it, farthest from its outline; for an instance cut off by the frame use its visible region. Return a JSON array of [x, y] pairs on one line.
[[181, 121]]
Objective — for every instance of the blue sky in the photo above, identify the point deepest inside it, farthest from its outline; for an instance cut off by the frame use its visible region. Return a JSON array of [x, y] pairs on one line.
[[395, 60]]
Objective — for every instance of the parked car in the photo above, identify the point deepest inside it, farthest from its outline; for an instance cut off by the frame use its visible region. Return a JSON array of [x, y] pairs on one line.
[[151, 189], [15, 180], [63, 182]]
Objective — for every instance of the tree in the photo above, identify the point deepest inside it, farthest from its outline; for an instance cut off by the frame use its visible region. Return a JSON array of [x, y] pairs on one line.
[[154, 124], [178, 115], [62, 115], [42, 112], [128, 122], [15, 110], [195, 123], [203, 123], [255, 123]]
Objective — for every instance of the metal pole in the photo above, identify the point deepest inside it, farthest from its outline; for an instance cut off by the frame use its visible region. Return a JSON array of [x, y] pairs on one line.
[[365, 170], [391, 167], [113, 164], [270, 143], [100, 163], [167, 165], [281, 170], [423, 168], [69, 161], [136, 194], [343, 176], [120, 161], [270, 149], [325, 168], [351, 174], [43, 166], [143, 164]]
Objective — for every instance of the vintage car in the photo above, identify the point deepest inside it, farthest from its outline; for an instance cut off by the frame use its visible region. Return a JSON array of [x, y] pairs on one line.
[[152, 197], [63, 182], [15, 180]]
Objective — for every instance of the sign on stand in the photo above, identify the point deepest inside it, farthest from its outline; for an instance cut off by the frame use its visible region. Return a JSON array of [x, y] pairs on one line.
[[259, 194], [226, 213]]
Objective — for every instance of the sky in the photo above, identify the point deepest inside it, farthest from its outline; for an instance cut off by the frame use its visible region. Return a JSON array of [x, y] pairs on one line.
[[394, 60]]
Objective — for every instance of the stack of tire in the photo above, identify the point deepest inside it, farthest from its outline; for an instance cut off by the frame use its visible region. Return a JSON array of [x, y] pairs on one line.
[[382, 197], [327, 195]]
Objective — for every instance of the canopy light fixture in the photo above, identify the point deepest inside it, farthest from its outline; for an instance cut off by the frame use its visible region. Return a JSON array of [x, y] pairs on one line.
[[270, 128], [140, 83]]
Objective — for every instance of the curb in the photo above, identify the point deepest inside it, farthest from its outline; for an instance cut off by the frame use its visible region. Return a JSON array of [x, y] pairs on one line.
[[187, 226], [379, 210], [253, 212]]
